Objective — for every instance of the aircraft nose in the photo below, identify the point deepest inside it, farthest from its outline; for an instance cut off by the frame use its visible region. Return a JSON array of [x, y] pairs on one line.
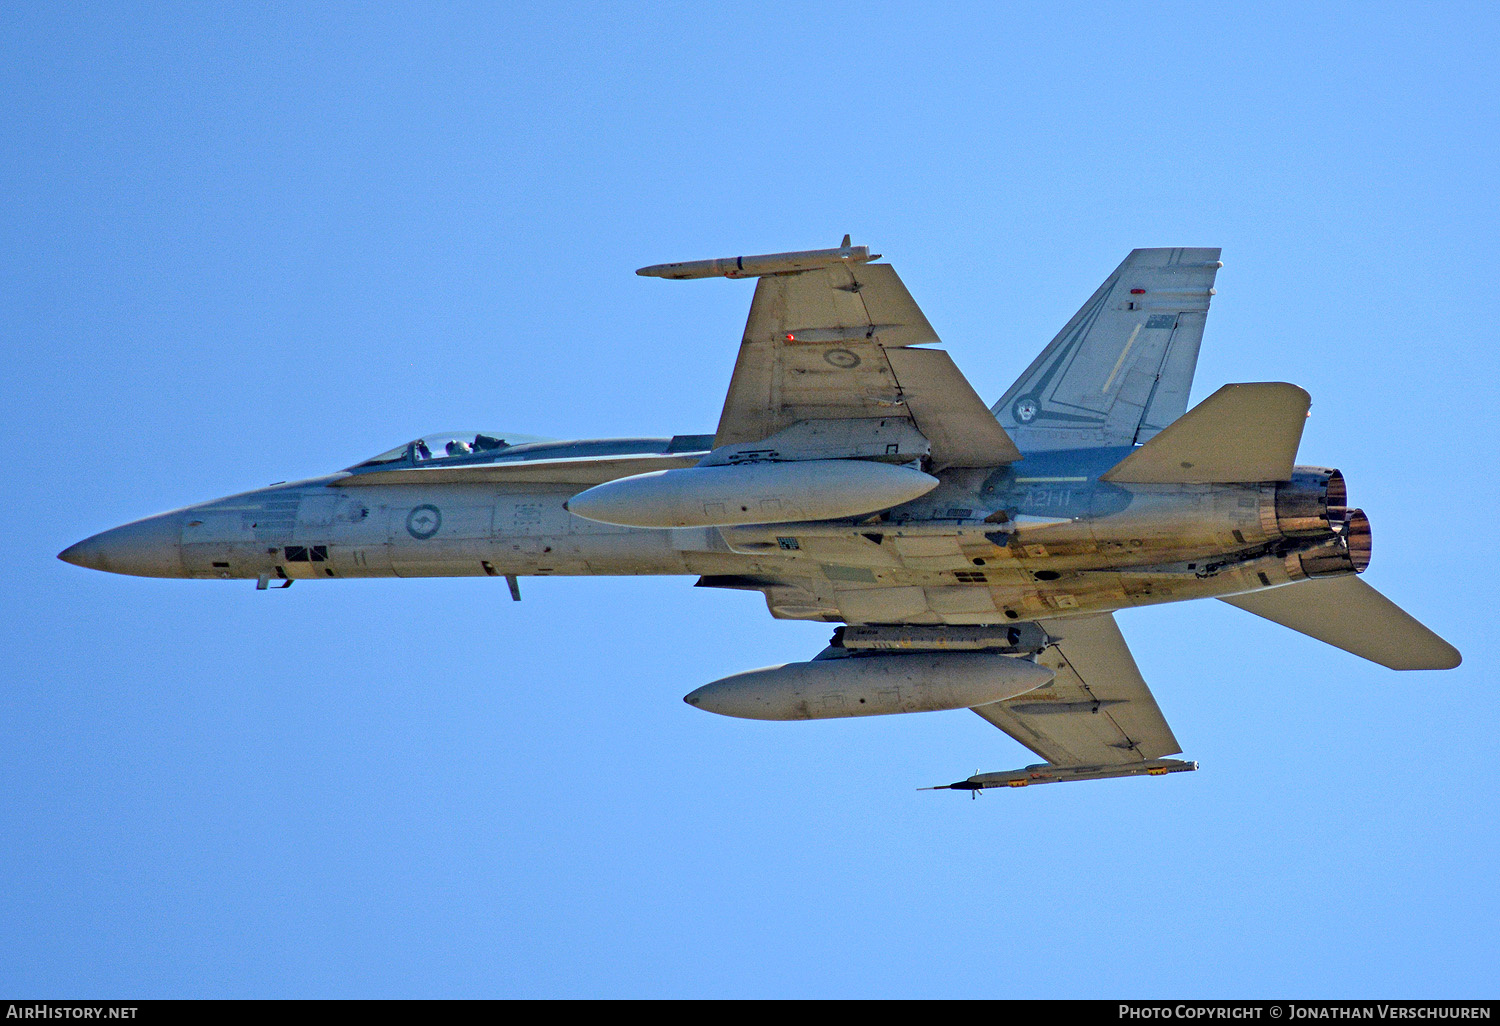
[[145, 548]]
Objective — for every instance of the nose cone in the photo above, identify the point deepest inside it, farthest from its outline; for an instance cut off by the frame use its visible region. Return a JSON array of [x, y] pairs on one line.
[[145, 548]]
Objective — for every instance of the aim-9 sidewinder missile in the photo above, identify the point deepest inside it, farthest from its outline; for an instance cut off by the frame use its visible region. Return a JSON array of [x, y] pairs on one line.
[[766, 263]]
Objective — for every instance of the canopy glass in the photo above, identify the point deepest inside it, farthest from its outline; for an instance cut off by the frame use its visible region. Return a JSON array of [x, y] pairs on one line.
[[471, 446]]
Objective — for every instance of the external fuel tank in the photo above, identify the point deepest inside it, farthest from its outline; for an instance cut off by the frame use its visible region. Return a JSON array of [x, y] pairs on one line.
[[752, 493], [871, 685]]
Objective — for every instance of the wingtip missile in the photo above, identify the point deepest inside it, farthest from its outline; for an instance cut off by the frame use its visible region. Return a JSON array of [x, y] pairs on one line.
[[1046, 773], [766, 263]]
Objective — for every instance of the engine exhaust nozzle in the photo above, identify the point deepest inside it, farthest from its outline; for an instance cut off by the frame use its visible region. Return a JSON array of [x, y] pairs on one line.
[[1347, 553], [1312, 503]]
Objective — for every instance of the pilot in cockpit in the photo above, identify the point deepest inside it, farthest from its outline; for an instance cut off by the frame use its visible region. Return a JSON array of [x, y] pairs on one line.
[[457, 448]]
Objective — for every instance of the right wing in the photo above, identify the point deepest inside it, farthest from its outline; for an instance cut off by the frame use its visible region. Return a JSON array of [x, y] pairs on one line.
[[1096, 718], [1121, 369]]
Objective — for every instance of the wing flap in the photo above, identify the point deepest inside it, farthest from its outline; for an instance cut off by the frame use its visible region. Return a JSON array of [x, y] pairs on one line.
[[1097, 711], [962, 430], [1246, 432], [1347, 613]]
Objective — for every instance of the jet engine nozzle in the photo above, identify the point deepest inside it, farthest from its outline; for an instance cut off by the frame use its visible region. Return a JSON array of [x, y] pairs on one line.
[[1312, 503], [872, 685], [1348, 552], [1357, 537]]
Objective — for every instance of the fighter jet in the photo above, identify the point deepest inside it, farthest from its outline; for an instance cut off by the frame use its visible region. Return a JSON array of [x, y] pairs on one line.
[[971, 555]]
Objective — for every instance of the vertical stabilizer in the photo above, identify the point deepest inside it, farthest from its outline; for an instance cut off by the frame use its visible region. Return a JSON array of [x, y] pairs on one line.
[[1121, 369]]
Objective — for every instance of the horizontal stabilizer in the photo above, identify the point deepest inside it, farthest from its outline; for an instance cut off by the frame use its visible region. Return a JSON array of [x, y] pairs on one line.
[[961, 428], [1246, 432], [1347, 613], [584, 471]]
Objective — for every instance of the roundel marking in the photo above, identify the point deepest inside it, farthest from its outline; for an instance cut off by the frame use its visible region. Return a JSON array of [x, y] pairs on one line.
[[1025, 410], [423, 521], [842, 358]]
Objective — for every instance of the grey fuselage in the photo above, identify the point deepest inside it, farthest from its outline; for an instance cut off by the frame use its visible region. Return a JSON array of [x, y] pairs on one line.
[[1042, 537]]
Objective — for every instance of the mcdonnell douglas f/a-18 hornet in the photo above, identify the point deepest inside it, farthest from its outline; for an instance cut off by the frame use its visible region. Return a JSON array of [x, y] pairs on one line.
[[972, 555]]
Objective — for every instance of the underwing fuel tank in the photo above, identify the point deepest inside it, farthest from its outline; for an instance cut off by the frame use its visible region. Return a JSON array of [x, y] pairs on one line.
[[874, 685], [752, 493]]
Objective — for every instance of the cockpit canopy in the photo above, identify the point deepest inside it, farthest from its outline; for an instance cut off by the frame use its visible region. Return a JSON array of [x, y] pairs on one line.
[[471, 446]]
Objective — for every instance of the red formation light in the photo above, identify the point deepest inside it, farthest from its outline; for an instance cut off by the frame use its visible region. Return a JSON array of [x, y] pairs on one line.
[[1137, 292]]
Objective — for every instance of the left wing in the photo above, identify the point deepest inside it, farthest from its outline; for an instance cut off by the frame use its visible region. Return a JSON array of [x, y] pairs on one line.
[[813, 350], [1097, 718], [830, 344]]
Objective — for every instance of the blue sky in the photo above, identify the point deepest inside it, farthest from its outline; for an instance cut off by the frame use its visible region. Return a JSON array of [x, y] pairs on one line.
[[242, 244]]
